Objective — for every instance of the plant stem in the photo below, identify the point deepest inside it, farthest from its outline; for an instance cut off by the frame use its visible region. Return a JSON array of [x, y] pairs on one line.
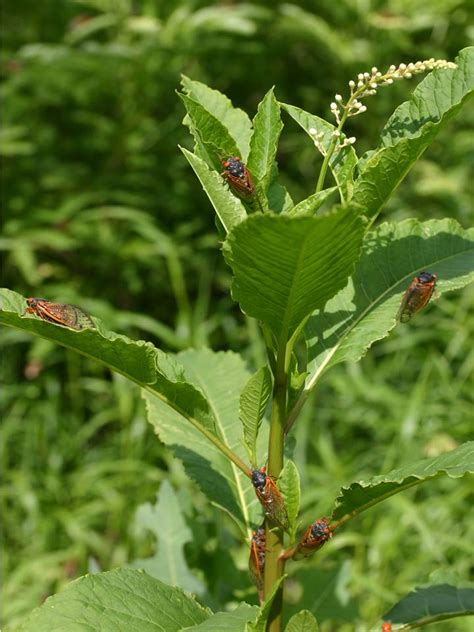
[[274, 537], [328, 156]]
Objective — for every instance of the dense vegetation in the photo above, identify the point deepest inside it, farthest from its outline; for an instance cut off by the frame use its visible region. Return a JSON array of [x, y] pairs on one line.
[[102, 210]]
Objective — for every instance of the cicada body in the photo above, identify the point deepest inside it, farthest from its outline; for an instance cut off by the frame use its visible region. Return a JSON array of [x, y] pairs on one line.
[[59, 313], [238, 178], [314, 537], [257, 557], [270, 497], [417, 296]]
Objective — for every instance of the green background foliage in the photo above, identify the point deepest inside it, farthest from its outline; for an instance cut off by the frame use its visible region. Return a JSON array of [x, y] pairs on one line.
[[101, 209]]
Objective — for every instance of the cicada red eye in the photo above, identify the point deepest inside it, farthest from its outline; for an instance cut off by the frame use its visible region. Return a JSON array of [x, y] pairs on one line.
[[386, 626], [59, 313], [270, 497], [238, 177], [417, 296], [257, 557]]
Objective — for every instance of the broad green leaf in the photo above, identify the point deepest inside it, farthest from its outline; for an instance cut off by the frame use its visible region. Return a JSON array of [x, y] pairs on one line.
[[289, 484], [311, 204], [279, 200], [343, 162], [139, 361], [117, 601], [304, 621], [165, 520], [432, 604], [260, 625], [228, 207], [410, 130], [211, 131], [286, 267], [363, 495], [253, 401], [221, 377], [234, 621], [220, 106], [365, 310], [267, 126]]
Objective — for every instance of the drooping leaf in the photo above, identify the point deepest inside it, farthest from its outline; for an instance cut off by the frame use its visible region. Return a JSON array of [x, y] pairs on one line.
[[234, 621], [429, 605], [234, 119], [117, 601], [304, 621], [311, 204], [221, 377], [211, 131], [165, 520], [228, 207], [286, 267], [363, 495], [267, 126], [139, 361], [365, 310], [253, 402], [343, 162], [410, 130], [289, 484]]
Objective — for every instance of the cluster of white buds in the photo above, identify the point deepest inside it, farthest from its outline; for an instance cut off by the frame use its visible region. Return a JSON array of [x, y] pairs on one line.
[[318, 140], [368, 82]]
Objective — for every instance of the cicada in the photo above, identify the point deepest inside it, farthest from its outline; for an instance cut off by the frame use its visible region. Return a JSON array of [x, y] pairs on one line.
[[417, 295], [314, 537], [270, 497], [386, 626], [238, 177], [59, 313], [257, 557]]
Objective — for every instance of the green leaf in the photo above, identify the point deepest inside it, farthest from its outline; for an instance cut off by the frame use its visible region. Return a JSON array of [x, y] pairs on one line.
[[260, 624], [411, 128], [289, 484], [343, 162], [228, 207], [117, 601], [304, 621], [210, 130], [286, 267], [234, 621], [279, 200], [267, 126], [311, 204], [429, 605], [165, 520], [365, 310], [139, 361], [363, 495], [253, 402], [220, 106], [221, 377]]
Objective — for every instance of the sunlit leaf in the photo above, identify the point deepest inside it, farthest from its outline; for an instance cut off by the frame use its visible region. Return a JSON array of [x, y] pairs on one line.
[[410, 130], [289, 484], [286, 267], [118, 601], [363, 495], [233, 621], [253, 402], [304, 621]]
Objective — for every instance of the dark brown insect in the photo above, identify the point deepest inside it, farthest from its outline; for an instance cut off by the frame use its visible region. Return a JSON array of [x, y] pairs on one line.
[[257, 558], [59, 313], [238, 177], [417, 296], [315, 536], [270, 497]]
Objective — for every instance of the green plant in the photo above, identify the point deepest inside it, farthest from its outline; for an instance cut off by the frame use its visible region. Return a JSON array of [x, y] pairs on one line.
[[324, 285]]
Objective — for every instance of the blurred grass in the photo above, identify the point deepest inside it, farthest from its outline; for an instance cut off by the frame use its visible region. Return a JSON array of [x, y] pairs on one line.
[[100, 209]]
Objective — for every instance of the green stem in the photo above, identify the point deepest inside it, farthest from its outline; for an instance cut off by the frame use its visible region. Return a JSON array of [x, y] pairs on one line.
[[274, 537], [330, 152]]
